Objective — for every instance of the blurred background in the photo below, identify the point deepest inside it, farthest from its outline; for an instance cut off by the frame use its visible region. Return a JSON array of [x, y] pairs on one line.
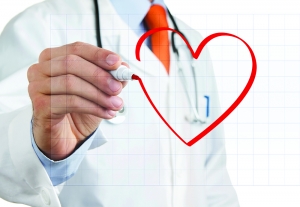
[[262, 135]]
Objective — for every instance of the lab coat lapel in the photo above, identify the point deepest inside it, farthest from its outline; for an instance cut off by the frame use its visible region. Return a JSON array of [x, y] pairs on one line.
[[118, 37]]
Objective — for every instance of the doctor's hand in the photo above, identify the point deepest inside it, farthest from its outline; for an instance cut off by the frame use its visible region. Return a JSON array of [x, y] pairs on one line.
[[71, 92]]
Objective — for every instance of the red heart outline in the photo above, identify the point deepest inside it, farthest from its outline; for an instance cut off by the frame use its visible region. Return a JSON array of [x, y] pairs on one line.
[[196, 55]]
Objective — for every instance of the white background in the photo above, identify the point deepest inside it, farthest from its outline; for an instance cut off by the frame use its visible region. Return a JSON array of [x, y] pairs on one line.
[[262, 135]]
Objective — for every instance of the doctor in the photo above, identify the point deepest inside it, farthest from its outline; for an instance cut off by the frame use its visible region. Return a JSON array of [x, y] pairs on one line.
[[71, 135]]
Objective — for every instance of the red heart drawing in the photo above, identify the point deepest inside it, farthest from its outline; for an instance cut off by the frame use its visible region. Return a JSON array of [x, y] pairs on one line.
[[196, 55]]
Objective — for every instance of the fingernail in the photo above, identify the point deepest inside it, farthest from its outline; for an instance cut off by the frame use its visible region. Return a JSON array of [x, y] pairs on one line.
[[114, 85], [116, 101], [111, 113], [112, 59]]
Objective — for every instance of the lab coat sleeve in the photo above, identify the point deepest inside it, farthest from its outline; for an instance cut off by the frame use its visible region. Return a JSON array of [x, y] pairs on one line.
[[22, 176], [21, 42], [62, 170]]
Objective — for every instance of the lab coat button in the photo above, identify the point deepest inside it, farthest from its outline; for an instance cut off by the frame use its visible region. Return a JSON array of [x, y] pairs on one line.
[[120, 116], [45, 196]]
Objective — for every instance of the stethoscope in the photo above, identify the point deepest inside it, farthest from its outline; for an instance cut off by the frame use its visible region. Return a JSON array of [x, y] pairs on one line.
[[194, 117]]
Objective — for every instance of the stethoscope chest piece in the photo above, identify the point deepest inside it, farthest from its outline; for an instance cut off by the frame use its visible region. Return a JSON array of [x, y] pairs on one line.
[[120, 116]]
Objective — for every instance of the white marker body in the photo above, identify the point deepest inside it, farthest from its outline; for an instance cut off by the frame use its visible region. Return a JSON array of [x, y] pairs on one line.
[[122, 73]]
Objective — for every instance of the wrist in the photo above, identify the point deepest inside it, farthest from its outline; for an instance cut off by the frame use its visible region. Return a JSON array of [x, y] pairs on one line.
[[55, 148]]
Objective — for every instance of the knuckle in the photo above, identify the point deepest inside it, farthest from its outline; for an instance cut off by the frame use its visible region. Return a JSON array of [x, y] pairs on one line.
[[32, 89], [97, 73], [102, 79], [66, 62], [69, 81], [31, 72], [73, 101], [100, 56], [69, 61], [39, 103], [70, 57], [45, 54], [75, 47], [77, 43]]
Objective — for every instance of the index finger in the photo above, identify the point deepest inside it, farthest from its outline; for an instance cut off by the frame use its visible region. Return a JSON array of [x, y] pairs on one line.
[[101, 57]]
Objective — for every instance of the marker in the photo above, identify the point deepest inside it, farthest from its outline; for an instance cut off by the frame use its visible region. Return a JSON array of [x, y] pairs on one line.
[[122, 74]]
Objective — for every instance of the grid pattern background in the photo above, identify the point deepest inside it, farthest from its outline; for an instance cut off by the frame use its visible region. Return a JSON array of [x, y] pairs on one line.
[[262, 134]]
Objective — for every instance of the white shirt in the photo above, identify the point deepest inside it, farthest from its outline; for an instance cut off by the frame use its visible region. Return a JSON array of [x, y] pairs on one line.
[[133, 12]]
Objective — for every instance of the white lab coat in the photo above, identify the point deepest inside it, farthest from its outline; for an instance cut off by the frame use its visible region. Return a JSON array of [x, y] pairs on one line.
[[138, 163]]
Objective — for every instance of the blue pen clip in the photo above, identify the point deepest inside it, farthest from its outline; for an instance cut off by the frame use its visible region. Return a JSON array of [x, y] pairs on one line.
[[207, 105]]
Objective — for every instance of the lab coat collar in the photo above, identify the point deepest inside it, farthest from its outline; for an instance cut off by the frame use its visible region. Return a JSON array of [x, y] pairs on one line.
[[133, 12]]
